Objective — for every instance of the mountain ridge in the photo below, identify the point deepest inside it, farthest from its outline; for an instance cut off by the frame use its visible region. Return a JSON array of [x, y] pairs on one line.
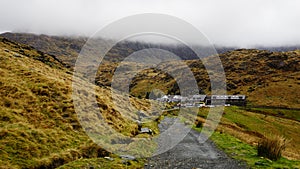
[[240, 67]]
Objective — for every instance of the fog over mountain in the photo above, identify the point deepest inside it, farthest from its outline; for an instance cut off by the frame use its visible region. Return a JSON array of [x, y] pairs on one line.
[[231, 23]]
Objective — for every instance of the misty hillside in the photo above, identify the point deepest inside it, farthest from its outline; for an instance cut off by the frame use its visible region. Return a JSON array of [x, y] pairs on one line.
[[68, 48]]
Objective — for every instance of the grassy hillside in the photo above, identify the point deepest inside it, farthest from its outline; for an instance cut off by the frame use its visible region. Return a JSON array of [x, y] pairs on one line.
[[38, 124], [266, 78]]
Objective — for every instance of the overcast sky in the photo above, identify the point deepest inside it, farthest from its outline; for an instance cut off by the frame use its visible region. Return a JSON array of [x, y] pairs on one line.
[[225, 22]]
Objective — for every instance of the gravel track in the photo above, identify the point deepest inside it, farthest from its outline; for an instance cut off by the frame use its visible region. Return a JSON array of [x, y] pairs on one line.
[[187, 153]]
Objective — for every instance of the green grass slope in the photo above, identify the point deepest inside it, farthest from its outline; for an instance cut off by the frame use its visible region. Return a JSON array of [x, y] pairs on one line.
[[249, 126]]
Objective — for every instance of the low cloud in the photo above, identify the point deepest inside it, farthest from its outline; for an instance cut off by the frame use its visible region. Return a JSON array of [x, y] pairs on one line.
[[231, 22]]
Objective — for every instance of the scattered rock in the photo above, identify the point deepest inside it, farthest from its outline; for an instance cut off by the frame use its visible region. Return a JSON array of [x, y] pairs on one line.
[[17, 55], [109, 158], [128, 157]]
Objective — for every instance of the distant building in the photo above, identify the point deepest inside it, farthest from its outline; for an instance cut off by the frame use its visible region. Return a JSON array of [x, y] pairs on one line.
[[175, 98], [202, 100], [198, 98], [238, 100]]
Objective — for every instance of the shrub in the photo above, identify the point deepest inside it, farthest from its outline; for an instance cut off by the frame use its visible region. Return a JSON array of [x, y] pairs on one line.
[[271, 147], [93, 151]]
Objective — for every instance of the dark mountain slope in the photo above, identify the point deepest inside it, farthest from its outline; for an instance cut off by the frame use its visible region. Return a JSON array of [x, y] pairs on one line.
[[68, 48]]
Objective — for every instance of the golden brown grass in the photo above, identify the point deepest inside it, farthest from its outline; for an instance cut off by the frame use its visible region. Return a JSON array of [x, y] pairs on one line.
[[271, 147], [38, 123]]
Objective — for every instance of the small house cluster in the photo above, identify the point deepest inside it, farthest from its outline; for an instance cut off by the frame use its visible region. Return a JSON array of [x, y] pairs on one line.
[[204, 100]]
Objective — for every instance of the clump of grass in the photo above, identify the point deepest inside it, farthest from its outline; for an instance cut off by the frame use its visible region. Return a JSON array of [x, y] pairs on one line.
[[198, 124], [271, 147]]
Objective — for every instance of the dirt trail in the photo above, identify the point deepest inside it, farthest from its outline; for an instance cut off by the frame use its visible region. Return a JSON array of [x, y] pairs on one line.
[[188, 153]]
